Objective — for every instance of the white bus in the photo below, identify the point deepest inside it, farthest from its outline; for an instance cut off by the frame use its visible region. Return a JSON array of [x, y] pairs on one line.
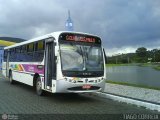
[[60, 62]]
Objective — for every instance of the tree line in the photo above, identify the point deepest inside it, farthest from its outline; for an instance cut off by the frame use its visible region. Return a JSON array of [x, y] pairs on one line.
[[141, 55]]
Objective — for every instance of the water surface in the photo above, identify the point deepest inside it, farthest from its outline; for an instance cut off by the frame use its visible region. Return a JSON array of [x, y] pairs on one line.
[[135, 75]]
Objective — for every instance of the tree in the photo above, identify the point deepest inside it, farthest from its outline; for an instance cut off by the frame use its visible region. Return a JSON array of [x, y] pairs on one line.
[[155, 55], [141, 54]]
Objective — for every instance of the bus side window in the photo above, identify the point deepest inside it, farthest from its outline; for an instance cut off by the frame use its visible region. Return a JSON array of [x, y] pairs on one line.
[[12, 55], [40, 45], [30, 47], [17, 55], [30, 51], [39, 51], [36, 46], [24, 49], [23, 53], [5, 55]]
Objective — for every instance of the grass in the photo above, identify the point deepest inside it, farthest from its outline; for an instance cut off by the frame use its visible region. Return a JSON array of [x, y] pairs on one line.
[[146, 64], [157, 67], [6, 43], [111, 65], [133, 85]]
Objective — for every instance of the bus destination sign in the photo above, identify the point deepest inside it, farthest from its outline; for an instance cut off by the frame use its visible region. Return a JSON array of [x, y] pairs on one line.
[[80, 38]]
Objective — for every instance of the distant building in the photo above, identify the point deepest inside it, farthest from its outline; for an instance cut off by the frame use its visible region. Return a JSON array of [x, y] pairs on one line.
[[7, 41], [69, 23]]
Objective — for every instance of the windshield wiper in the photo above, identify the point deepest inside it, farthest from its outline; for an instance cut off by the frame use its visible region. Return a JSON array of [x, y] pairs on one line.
[[86, 54], [84, 58]]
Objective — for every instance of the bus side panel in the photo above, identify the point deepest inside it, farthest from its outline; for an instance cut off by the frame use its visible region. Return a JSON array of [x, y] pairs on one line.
[[23, 77], [25, 72], [4, 73], [4, 69]]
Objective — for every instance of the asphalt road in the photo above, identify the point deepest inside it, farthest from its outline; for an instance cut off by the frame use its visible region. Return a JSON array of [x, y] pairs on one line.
[[22, 99]]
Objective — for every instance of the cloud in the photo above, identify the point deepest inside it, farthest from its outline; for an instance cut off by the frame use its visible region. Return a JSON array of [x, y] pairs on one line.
[[122, 50], [22, 18], [120, 24]]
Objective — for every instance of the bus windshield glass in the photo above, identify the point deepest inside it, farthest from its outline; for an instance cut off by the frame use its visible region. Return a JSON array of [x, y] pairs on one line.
[[81, 57]]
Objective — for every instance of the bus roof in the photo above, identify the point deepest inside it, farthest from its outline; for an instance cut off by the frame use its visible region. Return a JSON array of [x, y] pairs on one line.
[[53, 34]]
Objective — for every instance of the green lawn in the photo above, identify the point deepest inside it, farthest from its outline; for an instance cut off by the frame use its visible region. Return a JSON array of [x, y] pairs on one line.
[[110, 65], [157, 67], [145, 64]]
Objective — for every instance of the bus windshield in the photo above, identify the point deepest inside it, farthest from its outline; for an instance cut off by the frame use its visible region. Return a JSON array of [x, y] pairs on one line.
[[78, 57]]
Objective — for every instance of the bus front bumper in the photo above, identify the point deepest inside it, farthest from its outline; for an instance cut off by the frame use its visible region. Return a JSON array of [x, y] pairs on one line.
[[63, 86]]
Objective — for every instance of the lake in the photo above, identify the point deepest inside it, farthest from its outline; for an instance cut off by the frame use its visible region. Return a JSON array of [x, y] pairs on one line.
[[135, 75]]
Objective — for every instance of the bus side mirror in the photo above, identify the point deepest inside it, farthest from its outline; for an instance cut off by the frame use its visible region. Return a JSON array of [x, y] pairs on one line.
[[56, 50]]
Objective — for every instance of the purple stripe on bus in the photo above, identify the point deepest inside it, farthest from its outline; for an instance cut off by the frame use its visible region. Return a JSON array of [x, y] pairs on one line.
[[33, 68]]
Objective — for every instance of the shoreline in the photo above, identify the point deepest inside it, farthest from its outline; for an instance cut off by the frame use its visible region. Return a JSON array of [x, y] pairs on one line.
[[133, 85], [155, 66]]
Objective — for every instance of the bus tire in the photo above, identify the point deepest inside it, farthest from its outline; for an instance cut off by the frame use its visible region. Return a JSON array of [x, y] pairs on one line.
[[39, 90], [10, 78]]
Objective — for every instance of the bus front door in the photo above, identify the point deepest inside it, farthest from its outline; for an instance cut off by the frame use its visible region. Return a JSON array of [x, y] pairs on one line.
[[50, 71], [7, 63]]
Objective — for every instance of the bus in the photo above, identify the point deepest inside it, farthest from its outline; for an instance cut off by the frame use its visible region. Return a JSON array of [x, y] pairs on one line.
[[59, 62]]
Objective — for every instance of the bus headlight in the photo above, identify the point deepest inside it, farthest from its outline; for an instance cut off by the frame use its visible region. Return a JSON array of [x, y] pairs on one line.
[[65, 79], [74, 81]]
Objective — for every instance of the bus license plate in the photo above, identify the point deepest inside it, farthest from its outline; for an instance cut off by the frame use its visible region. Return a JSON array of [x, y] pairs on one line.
[[86, 86]]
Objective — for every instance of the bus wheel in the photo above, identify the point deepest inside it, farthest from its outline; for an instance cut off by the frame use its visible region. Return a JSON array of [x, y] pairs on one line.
[[39, 90], [10, 77]]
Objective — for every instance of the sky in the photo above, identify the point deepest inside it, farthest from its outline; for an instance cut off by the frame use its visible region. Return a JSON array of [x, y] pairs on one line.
[[123, 25]]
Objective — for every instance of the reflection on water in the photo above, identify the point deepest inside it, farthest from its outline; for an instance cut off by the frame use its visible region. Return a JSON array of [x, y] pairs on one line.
[[135, 75]]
